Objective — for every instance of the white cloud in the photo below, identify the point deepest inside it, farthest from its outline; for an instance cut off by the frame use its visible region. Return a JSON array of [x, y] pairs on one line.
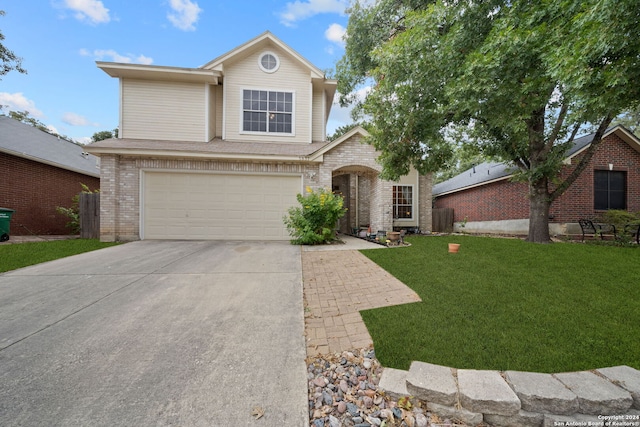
[[185, 14], [53, 129], [105, 54], [18, 102], [74, 119], [91, 10], [335, 33], [299, 10]]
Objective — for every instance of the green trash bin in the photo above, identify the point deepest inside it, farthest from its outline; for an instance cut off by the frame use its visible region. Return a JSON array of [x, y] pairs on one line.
[[5, 217]]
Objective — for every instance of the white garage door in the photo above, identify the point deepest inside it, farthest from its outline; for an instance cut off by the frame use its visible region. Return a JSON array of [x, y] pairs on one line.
[[195, 206]]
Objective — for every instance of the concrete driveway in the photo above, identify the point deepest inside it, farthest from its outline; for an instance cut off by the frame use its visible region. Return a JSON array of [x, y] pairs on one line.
[[155, 333]]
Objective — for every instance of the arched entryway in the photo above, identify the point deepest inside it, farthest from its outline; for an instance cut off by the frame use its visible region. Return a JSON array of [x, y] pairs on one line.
[[360, 188]]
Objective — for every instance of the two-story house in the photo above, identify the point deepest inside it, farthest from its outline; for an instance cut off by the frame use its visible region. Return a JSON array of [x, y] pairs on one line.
[[222, 150]]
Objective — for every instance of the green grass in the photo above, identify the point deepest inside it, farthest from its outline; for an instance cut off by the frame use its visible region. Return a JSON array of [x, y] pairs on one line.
[[505, 304], [13, 256]]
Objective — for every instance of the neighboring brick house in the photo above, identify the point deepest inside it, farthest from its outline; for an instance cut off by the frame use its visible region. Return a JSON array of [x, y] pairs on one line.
[[39, 172], [485, 200], [221, 151]]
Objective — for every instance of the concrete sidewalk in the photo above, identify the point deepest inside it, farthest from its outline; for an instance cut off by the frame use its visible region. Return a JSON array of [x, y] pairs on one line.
[[339, 282]]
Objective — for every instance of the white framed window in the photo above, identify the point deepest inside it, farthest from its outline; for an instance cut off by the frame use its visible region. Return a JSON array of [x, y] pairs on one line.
[[403, 201], [267, 111], [269, 62]]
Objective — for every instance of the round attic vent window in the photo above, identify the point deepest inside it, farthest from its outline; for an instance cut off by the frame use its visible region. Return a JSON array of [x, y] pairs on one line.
[[269, 62]]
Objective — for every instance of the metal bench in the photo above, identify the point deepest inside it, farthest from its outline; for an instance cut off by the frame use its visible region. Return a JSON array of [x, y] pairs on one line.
[[589, 228]]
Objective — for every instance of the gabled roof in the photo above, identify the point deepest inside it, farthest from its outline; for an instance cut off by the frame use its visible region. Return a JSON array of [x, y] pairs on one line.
[[263, 39], [23, 140], [317, 155], [489, 172]]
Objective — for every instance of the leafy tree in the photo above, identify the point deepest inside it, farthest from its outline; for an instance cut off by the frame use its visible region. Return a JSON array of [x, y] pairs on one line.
[[105, 134], [629, 119], [521, 78], [341, 130], [8, 60], [25, 117]]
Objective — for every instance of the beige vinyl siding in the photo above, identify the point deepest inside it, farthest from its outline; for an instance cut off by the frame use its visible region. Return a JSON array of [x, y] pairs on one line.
[[290, 77], [318, 119], [211, 128], [219, 109], [172, 111]]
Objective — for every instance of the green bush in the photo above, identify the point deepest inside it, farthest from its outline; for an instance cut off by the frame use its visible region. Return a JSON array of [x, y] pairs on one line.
[[619, 219], [314, 221], [73, 213]]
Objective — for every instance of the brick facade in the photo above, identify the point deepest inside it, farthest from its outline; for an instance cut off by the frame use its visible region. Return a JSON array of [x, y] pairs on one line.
[[506, 200], [34, 190], [348, 164]]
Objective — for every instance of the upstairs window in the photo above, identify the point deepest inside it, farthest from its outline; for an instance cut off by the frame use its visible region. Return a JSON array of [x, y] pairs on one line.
[[609, 190], [269, 62], [403, 201], [267, 111]]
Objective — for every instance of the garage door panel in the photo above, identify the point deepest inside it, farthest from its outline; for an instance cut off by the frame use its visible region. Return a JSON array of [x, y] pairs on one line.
[[217, 206]]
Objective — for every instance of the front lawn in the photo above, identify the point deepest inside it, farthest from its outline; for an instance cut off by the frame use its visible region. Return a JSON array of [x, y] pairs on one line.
[[505, 304], [18, 255]]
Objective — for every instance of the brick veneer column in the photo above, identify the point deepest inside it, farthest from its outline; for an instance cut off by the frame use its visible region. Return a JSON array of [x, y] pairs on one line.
[[109, 172], [425, 183]]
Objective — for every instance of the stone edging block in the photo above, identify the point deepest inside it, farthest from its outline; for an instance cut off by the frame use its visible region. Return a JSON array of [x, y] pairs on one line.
[[595, 394], [433, 383], [518, 398], [486, 392], [542, 393], [627, 378]]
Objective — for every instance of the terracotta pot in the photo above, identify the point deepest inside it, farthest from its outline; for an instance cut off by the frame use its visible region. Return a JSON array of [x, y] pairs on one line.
[[453, 248]]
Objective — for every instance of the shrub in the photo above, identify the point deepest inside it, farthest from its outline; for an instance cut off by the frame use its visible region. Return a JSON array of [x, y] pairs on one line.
[[73, 213], [621, 218], [313, 222]]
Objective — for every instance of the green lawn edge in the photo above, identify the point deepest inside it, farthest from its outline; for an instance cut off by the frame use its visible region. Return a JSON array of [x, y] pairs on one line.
[[19, 255], [505, 304]]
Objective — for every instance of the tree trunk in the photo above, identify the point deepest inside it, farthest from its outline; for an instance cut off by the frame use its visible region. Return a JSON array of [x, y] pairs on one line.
[[539, 204]]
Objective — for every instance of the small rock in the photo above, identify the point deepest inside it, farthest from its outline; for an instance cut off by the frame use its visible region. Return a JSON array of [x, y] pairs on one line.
[[367, 363], [333, 421], [367, 401], [387, 414], [374, 421], [327, 398], [320, 382], [409, 420], [342, 407], [318, 423], [397, 412], [357, 420], [344, 386], [421, 420], [353, 409]]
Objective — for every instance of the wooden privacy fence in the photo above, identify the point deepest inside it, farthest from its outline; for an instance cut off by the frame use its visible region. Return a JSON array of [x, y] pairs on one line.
[[89, 212], [442, 220]]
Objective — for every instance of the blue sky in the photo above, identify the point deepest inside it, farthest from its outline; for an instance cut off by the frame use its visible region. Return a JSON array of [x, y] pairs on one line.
[[60, 40]]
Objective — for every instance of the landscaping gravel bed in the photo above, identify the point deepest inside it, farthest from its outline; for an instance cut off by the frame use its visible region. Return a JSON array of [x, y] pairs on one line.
[[343, 392]]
